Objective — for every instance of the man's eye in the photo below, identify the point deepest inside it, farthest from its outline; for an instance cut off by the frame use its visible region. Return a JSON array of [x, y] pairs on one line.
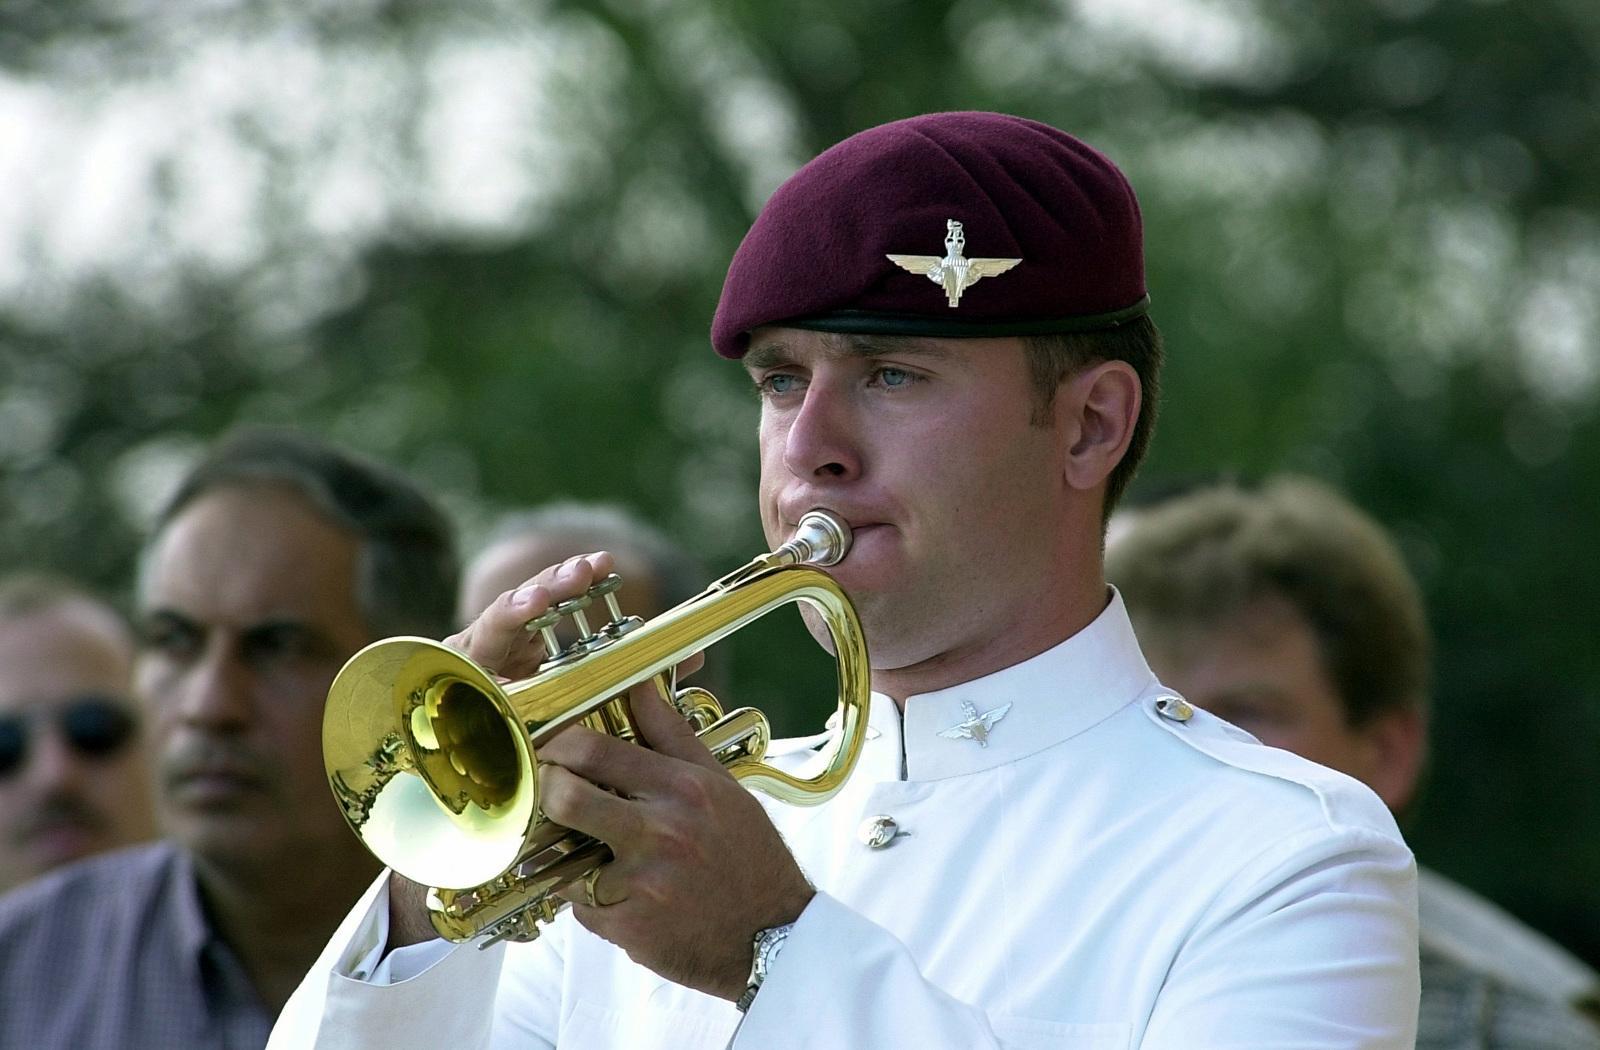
[[169, 638], [779, 383], [286, 642], [895, 377], [1245, 716]]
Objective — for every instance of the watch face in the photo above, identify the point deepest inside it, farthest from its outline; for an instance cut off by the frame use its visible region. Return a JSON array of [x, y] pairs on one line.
[[767, 950]]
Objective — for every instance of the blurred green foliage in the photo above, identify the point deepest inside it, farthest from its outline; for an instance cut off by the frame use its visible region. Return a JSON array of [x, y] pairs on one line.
[[484, 241]]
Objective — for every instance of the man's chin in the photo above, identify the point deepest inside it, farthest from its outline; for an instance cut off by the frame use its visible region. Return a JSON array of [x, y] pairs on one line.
[[62, 844], [225, 836]]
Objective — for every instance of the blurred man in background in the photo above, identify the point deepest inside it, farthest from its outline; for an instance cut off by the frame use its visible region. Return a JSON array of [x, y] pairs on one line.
[[73, 780], [1290, 613], [277, 559], [656, 572]]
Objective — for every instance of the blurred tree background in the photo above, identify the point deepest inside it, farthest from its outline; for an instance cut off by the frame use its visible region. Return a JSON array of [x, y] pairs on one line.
[[483, 240]]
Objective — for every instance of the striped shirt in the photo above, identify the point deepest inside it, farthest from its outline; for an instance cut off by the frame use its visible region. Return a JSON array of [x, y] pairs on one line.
[[116, 952], [1491, 983]]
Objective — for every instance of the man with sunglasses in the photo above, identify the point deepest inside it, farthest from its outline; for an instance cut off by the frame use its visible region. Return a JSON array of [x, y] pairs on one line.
[[277, 558], [72, 776]]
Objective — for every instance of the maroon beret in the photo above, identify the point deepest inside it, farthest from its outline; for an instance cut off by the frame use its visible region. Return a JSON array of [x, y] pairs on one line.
[[890, 231]]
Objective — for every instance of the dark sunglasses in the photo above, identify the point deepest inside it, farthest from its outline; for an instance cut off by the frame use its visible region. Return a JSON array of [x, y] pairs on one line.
[[92, 726]]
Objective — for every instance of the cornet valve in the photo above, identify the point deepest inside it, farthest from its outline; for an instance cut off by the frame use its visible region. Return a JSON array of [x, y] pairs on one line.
[[588, 640]]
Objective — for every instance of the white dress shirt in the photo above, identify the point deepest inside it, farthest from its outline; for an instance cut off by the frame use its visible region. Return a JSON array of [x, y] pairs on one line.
[[1110, 868]]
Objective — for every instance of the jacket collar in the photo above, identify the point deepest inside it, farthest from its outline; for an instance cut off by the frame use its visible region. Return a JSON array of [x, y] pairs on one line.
[[1014, 712]]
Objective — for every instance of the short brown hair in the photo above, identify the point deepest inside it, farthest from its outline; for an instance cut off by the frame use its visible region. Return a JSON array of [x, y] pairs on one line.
[[1196, 560], [27, 593], [1052, 359], [407, 575]]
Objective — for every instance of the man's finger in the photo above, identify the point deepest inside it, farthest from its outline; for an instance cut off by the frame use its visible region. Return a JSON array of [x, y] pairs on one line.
[[573, 801], [600, 888], [499, 640], [623, 766], [665, 730]]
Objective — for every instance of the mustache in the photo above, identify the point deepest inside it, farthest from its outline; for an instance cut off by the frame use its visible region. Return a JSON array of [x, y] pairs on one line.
[[56, 809], [206, 756]]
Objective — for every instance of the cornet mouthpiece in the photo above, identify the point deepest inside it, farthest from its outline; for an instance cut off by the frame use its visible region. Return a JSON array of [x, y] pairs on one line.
[[821, 539]]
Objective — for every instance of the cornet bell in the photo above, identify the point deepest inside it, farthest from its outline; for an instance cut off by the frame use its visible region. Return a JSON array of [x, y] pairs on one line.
[[414, 808]]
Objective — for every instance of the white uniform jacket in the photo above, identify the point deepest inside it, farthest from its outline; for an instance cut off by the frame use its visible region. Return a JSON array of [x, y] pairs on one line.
[[1095, 872]]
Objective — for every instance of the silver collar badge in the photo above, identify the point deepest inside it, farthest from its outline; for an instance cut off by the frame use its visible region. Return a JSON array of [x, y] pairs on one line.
[[977, 726], [955, 273]]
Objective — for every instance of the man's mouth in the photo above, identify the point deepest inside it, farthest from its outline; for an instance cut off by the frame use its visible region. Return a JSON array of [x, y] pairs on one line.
[[212, 782], [62, 834]]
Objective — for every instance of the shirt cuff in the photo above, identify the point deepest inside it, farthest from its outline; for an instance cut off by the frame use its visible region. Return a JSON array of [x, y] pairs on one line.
[[402, 964], [858, 987], [365, 960]]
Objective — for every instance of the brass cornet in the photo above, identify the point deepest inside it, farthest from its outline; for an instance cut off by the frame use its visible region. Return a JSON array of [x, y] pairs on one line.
[[435, 764]]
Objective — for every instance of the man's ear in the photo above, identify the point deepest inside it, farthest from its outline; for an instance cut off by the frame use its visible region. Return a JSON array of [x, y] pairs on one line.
[[1396, 742], [1095, 413]]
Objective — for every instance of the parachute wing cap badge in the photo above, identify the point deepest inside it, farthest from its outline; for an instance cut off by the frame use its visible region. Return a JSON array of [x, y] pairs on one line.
[[955, 273]]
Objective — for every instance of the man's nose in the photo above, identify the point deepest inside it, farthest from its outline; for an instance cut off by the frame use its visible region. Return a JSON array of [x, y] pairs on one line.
[[215, 691], [53, 764], [822, 441]]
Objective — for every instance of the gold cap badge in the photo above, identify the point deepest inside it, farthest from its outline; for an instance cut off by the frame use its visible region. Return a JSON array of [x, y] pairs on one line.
[[955, 273]]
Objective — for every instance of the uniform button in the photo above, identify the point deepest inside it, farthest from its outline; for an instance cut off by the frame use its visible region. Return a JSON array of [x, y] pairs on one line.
[[878, 832], [1174, 708]]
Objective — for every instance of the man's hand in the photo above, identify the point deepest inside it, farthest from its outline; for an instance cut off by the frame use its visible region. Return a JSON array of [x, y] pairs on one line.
[[698, 866], [498, 639]]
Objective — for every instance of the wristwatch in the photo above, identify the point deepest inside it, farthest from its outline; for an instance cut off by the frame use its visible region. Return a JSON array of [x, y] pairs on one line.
[[767, 944]]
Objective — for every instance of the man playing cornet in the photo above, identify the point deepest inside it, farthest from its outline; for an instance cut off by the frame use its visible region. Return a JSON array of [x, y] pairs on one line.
[[945, 319]]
